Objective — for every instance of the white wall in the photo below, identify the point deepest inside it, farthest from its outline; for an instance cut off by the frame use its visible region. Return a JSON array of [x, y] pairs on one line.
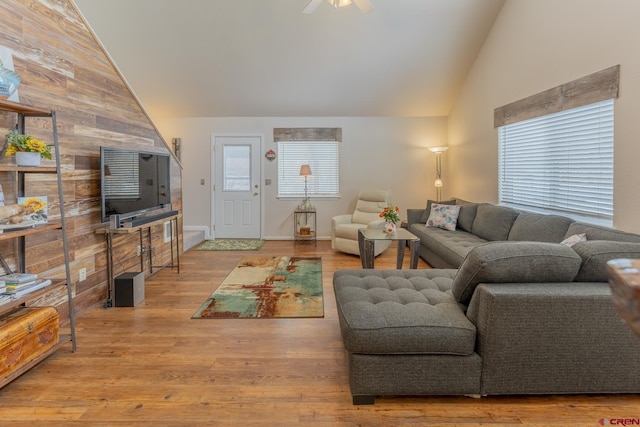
[[376, 152], [534, 46]]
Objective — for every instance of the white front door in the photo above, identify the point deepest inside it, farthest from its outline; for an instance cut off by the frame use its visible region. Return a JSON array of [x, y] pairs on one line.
[[236, 187]]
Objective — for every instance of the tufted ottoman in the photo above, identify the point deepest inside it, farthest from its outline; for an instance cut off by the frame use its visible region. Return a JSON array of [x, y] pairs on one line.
[[405, 334]]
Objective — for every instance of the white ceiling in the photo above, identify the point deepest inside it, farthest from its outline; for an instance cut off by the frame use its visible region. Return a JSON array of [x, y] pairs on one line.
[[265, 58]]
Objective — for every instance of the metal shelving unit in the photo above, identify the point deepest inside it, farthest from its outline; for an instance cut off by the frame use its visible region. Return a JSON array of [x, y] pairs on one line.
[[24, 112]]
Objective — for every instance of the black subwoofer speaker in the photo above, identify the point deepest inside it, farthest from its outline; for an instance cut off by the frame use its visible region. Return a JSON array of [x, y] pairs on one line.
[[129, 289]]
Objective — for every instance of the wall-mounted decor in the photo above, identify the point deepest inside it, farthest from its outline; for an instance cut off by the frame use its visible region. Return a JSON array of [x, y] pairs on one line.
[[177, 147], [307, 134], [270, 155]]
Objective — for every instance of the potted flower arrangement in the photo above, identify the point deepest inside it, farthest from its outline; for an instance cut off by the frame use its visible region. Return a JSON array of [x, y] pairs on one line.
[[28, 150], [391, 215]]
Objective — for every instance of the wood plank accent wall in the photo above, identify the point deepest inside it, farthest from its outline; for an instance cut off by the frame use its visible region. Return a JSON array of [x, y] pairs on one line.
[[585, 90], [64, 68]]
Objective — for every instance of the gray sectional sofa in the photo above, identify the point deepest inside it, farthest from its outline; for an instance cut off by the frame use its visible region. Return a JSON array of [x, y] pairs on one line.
[[507, 310]]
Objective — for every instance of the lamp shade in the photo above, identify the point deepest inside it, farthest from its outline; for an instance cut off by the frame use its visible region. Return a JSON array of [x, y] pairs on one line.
[[305, 170], [438, 149]]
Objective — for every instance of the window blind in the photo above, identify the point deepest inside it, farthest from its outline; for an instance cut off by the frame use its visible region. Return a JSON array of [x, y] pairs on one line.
[[560, 162], [321, 156]]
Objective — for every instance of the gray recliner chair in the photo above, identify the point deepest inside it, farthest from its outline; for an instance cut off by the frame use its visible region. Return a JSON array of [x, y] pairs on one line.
[[344, 228]]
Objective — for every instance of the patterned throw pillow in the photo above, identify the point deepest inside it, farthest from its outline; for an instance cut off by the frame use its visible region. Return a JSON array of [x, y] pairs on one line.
[[443, 216], [576, 238], [427, 210]]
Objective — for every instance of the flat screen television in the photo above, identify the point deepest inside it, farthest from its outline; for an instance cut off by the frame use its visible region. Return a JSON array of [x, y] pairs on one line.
[[133, 183]]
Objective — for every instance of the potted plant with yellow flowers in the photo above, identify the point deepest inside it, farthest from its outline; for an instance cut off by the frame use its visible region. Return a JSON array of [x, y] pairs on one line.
[[28, 150]]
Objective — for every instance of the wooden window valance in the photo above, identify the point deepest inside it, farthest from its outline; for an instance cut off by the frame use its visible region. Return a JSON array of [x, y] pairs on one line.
[[307, 134], [583, 91]]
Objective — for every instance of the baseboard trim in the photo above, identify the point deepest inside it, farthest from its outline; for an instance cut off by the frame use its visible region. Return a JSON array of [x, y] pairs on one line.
[[207, 232]]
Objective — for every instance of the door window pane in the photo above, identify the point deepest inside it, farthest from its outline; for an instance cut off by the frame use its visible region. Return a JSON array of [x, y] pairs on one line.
[[236, 173]]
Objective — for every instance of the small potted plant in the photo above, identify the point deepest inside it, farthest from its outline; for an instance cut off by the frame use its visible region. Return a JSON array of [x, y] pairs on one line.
[[391, 215], [28, 150]]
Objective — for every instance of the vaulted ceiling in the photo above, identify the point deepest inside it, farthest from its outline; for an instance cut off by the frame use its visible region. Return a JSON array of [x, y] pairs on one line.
[[265, 58]]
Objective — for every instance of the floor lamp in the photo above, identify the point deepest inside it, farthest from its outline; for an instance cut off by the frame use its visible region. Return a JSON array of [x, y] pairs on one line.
[[438, 182]]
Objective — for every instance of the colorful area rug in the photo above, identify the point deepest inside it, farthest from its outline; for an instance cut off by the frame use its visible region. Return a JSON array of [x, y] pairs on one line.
[[268, 286], [231, 245]]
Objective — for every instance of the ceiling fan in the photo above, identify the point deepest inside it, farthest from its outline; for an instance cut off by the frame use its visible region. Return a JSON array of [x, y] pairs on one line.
[[364, 5]]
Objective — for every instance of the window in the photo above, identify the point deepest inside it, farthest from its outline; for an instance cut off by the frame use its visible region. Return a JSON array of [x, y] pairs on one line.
[[236, 169], [560, 162], [321, 156]]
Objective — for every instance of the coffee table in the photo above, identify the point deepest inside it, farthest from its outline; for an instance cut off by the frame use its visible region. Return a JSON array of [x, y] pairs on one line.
[[368, 236], [624, 276]]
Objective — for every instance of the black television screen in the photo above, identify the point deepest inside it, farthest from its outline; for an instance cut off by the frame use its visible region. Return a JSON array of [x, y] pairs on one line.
[[133, 182]]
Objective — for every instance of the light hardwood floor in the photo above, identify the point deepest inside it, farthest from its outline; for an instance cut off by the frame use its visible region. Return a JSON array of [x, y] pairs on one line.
[[154, 365]]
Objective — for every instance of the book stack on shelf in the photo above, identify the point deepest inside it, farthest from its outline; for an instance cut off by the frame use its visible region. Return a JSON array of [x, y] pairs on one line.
[[3, 296], [17, 285]]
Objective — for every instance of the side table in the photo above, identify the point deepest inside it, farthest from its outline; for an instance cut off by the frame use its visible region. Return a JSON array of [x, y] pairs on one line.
[[304, 226], [368, 236]]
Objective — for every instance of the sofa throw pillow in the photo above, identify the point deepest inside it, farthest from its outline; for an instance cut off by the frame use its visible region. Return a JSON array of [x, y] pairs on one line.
[[514, 262], [576, 238], [427, 210], [443, 216]]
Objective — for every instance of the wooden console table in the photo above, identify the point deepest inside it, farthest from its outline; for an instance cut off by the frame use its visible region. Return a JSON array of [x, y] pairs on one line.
[[110, 232], [624, 279]]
